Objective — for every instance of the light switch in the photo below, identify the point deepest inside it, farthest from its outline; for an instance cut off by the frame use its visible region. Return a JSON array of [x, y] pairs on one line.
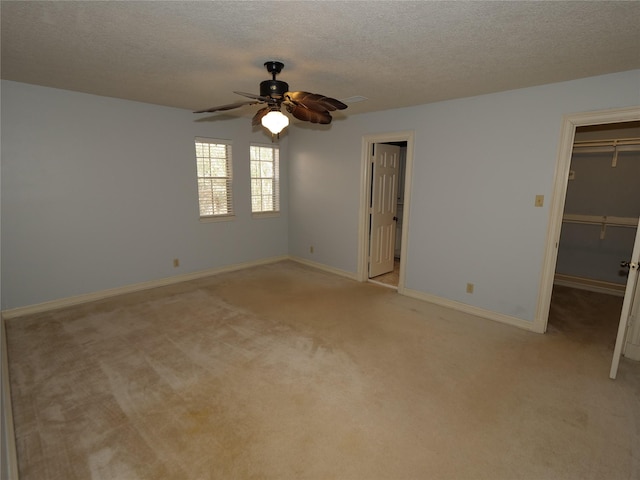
[[539, 200]]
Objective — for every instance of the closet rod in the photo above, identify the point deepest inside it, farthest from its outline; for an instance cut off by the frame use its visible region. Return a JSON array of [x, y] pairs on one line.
[[593, 146], [607, 143], [601, 220]]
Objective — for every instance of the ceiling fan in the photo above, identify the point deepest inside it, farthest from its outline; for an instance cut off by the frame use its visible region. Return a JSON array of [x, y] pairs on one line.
[[305, 106]]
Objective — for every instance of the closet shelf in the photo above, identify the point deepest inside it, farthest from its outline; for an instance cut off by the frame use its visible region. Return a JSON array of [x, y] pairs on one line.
[[601, 220], [593, 146], [608, 146]]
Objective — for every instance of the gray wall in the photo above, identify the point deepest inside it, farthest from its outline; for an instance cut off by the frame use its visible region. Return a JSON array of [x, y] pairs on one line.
[[600, 190], [478, 165], [99, 193]]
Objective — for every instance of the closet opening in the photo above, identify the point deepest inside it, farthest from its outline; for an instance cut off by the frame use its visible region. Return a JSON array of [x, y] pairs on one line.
[[597, 236]]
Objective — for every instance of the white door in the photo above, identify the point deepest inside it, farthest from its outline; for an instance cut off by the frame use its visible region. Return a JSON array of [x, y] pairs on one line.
[[384, 202], [631, 348], [630, 296]]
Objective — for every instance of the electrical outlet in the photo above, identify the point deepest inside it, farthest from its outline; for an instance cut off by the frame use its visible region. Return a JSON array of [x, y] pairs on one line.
[[539, 200], [176, 262], [469, 287], [311, 249]]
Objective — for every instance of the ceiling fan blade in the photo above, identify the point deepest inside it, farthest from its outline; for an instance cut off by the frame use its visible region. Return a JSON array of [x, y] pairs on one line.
[[315, 101], [252, 95], [230, 106], [308, 115], [257, 118]]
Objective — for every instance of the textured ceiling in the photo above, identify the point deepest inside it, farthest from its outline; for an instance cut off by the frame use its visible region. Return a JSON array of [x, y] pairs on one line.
[[194, 54]]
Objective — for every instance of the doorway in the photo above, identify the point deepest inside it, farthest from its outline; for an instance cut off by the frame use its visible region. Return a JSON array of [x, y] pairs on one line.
[[386, 192], [383, 238], [563, 172], [598, 230]]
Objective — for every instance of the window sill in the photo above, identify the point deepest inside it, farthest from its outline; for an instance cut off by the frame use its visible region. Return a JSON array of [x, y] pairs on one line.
[[265, 214], [218, 218]]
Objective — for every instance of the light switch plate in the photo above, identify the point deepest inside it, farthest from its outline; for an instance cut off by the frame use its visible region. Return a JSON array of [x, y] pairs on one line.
[[539, 200]]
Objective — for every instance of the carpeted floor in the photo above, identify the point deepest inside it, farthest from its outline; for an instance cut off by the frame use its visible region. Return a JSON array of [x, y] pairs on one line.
[[286, 372]]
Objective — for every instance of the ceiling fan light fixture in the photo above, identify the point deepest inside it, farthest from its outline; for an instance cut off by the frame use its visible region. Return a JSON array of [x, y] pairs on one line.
[[275, 121], [304, 106]]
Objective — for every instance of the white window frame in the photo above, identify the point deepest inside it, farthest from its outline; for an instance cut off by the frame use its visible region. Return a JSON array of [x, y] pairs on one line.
[[256, 176], [206, 204]]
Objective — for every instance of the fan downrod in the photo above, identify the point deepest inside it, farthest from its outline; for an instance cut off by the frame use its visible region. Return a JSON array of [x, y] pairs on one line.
[[274, 67], [274, 89]]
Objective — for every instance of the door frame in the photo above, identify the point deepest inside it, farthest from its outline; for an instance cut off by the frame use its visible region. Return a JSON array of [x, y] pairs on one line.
[[365, 196], [563, 164]]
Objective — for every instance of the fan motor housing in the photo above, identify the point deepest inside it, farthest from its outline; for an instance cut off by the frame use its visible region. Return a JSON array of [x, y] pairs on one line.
[[273, 88]]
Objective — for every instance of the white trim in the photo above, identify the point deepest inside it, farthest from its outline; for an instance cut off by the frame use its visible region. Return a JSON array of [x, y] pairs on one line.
[[365, 169], [470, 309], [326, 268], [161, 282], [561, 177], [597, 286], [217, 218], [213, 141], [269, 214], [228, 178], [8, 443]]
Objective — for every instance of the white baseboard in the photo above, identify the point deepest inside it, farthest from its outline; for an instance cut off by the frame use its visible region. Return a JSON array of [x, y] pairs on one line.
[[326, 268], [588, 284], [470, 309], [112, 292], [90, 297], [462, 307]]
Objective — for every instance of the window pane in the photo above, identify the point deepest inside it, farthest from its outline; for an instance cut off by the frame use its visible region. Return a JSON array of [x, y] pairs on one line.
[[266, 186], [218, 167], [213, 165], [266, 169], [264, 179]]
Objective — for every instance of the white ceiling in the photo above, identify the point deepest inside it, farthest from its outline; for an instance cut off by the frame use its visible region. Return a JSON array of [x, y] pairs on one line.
[[193, 55]]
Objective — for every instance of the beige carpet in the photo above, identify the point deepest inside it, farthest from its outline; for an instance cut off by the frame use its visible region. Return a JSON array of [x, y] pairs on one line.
[[286, 372]]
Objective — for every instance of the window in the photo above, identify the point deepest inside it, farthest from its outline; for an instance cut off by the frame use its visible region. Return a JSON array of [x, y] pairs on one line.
[[213, 158], [265, 179]]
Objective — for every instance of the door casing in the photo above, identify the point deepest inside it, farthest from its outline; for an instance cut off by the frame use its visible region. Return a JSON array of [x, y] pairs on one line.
[[365, 192]]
